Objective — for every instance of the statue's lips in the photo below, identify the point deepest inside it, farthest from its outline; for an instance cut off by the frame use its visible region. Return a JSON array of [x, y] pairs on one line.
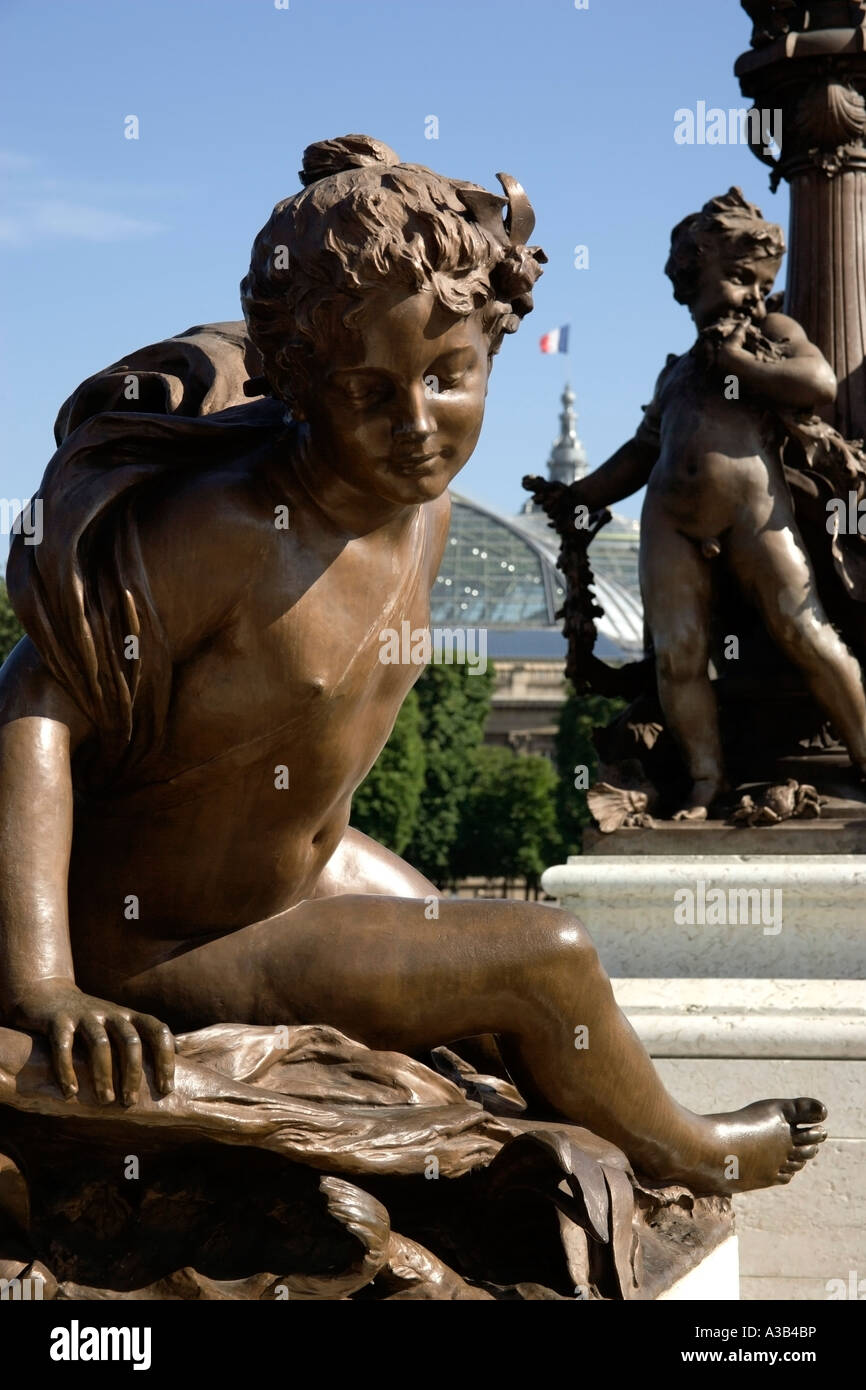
[[412, 463]]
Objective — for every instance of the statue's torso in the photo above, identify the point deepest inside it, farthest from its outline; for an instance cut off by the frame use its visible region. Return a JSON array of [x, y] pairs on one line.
[[273, 722], [716, 453]]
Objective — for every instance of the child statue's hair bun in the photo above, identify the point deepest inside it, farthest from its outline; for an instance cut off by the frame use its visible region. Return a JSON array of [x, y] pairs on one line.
[[328, 157]]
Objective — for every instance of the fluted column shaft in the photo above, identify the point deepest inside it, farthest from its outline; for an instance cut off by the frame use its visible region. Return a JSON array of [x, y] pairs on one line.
[[826, 285]]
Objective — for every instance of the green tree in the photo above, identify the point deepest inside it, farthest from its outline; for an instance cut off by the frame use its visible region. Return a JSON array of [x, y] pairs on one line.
[[454, 705], [10, 628], [387, 802], [508, 827], [577, 760]]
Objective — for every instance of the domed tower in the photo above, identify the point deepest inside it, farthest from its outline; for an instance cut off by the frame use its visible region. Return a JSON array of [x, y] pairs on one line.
[[499, 573], [614, 551], [568, 460]]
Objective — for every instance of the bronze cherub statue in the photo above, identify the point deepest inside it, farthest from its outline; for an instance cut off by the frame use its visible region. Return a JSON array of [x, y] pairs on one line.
[[199, 694], [731, 451]]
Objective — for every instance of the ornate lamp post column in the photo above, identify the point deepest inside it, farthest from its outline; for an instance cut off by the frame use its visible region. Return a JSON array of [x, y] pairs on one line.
[[808, 60]]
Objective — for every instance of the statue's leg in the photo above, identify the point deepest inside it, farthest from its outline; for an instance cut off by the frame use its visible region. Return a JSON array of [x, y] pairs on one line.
[[394, 974], [773, 566], [360, 865], [676, 587]]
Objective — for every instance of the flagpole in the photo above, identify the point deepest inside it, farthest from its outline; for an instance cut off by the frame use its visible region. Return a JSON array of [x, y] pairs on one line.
[[565, 352]]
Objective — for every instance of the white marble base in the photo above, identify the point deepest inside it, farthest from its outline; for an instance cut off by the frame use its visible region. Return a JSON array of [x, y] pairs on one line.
[[715, 1280], [754, 1018], [719, 1044], [633, 907], [733, 1013], [796, 1242]]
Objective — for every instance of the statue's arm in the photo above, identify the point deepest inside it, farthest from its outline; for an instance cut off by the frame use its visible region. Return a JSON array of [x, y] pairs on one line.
[[40, 728], [801, 379], [623, 474], [620, 476], [629, 469]]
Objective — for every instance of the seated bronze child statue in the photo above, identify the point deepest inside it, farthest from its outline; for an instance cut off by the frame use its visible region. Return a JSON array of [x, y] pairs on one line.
[[199, 694]]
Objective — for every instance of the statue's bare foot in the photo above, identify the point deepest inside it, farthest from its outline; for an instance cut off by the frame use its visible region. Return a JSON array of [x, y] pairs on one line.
[[702, 796], [759, 1146]]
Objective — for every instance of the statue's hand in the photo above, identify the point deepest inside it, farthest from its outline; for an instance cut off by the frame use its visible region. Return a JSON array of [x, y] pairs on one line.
[[112, 1034], [721, 346], [731, 352], [557, 500], [542, 488]]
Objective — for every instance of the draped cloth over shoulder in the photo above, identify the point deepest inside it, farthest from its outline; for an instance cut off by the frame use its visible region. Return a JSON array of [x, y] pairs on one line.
[[199, 372], [83, 591]]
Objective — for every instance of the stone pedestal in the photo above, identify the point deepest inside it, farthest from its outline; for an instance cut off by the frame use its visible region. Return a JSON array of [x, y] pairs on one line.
[[715, 1280], [735, 1010], [779, 916]]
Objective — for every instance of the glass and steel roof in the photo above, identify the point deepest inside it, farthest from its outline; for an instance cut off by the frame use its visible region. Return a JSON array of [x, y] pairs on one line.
[[499, 573]]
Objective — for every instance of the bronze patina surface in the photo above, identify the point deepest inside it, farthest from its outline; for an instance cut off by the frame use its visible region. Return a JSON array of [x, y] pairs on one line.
[[197, 697]]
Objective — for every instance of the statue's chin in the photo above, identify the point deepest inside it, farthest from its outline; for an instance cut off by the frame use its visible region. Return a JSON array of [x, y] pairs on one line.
[[416, 487]]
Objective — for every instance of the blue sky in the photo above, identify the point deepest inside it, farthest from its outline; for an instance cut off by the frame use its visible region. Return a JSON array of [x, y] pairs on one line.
[[107, 243]]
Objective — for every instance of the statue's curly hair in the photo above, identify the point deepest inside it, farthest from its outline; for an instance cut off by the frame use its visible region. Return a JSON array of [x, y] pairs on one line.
[[363, 220], [730, 217]]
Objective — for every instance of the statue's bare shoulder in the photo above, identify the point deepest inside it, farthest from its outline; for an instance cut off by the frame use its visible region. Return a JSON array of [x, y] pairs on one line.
[[789, 334]]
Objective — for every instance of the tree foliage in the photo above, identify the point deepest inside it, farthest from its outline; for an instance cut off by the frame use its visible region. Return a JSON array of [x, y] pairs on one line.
[[508, 827], [454, 707], [575, 750], [455, 808], [411, 801]]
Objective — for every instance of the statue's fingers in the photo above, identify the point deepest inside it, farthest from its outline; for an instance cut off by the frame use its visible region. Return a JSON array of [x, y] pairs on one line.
[[160, 1039], [60, 1037], [128, 1045], [99, 1047]]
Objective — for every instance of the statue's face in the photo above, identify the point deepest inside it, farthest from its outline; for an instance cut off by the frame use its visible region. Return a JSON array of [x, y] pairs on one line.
[[729, 285], [397, 404]]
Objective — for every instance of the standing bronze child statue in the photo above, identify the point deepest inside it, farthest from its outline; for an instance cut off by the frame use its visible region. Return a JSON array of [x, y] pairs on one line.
[[712, 451]]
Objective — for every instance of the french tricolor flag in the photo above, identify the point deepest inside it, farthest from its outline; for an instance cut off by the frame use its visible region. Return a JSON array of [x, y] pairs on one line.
[[557, 341]]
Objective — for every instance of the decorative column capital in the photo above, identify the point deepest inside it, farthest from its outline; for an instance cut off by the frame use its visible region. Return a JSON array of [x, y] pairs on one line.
[[827, 128], [808, 61], [772, 19]]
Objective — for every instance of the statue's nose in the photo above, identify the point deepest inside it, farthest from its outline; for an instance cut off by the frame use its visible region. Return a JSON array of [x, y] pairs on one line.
[[415, 422]]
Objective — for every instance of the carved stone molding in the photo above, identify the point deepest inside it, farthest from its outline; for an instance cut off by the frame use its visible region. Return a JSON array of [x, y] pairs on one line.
[[772, 19], [827, 127]]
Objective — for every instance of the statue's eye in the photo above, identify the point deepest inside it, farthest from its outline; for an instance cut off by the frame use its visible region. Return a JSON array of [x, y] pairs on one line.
[[443, 380], [364, 391]]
